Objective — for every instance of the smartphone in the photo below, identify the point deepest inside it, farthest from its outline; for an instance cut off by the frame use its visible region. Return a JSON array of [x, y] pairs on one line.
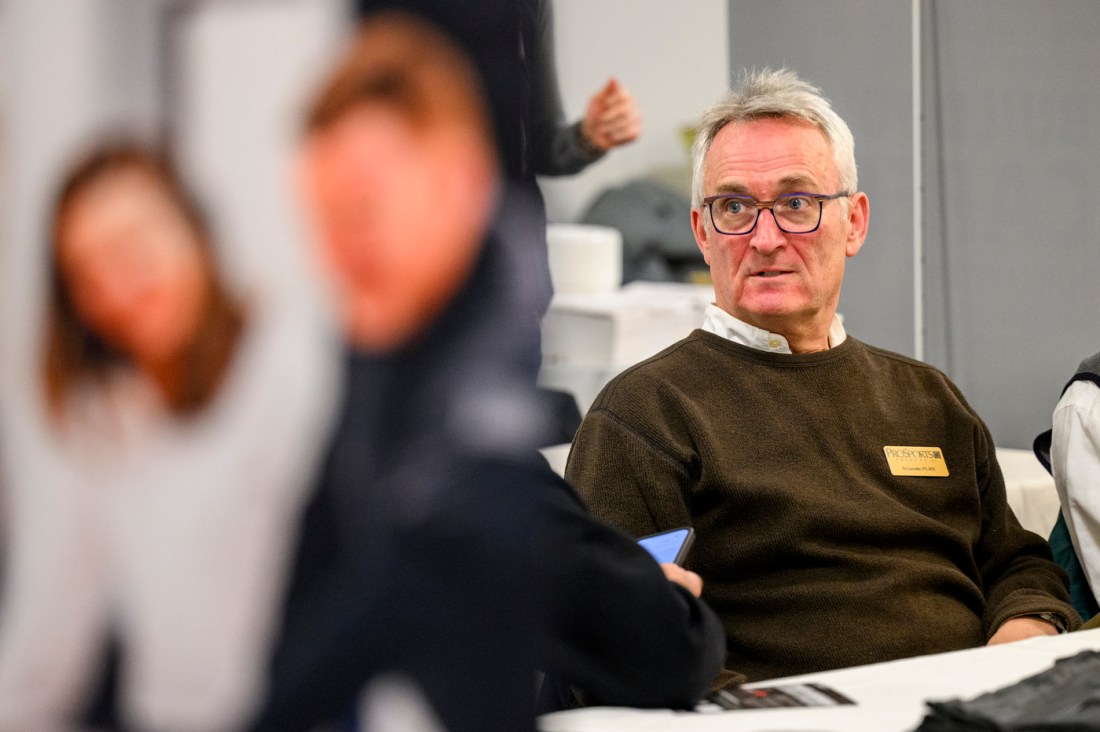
[[669, 546]]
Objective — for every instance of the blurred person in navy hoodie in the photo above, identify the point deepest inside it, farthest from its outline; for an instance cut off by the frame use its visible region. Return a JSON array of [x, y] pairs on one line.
[[439, 554], [512, 48]]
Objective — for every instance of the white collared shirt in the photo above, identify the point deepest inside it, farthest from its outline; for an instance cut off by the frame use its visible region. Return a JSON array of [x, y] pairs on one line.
[[1075, 462], [720, 323]]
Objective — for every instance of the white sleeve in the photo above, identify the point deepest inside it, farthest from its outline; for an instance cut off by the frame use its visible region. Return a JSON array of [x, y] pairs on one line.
[[53, 616], [1075, 462]]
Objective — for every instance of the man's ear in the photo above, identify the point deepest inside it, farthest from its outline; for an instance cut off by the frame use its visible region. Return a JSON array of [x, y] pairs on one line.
[[858, 215], [699, 228]]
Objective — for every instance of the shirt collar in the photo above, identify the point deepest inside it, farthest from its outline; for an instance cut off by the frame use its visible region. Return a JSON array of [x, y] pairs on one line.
[[720, 323]]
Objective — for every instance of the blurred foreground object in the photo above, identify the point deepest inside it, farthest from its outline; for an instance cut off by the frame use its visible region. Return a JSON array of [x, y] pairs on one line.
[[144, 561], [439, 554]]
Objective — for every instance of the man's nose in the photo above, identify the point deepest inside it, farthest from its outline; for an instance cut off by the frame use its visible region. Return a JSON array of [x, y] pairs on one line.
[[767, 236]]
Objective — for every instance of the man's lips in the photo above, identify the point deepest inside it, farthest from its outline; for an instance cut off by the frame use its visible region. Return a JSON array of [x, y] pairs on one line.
[[768, 273]]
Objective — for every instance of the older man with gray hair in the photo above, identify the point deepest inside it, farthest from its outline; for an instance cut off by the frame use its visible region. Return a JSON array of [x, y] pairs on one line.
[[847, 500]]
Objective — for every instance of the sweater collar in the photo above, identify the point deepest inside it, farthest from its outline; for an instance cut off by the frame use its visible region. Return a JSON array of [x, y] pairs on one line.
[[720, 323]]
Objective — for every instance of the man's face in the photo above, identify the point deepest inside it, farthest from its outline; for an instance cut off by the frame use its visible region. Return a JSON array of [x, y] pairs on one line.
[[399, 212], [784, 283]]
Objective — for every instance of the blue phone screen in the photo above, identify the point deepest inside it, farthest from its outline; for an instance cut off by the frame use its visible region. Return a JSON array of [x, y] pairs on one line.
[[664, 547]]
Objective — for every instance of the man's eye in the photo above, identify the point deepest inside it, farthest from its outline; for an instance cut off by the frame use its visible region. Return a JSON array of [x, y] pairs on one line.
[[797, 203], [734, 206]]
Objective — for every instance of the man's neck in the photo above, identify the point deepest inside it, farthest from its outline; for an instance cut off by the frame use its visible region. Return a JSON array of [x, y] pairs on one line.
[[808, 344], [722, 323], [801, 337]]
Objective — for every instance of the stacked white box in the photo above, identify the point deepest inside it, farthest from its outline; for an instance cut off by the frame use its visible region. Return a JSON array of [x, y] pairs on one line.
[[588, 339]]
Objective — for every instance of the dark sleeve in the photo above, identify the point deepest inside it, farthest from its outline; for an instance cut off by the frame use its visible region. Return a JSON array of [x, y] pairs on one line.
[[629, 479], [419, 575], [619, 631], [554, 146], [318, 661], [1018, 573]]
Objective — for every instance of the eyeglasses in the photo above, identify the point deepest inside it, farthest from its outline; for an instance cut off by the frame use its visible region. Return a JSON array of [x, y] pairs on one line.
[[794, 213]]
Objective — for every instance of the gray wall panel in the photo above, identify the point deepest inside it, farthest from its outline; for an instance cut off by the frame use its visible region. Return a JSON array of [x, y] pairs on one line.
[[858, 52], [1011, 115], [1020, 120]]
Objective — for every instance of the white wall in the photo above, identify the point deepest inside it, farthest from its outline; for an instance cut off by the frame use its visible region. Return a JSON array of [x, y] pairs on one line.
[[673, 56]]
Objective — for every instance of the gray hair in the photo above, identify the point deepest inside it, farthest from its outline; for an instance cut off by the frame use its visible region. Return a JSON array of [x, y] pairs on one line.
[[774, 94]]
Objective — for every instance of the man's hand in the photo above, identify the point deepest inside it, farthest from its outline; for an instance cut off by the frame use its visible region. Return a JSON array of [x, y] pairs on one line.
[[1016, 629], [690, 581], [612, 118]]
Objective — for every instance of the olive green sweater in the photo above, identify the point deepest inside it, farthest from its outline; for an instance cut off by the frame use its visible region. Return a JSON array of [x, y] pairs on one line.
[[813, 553]]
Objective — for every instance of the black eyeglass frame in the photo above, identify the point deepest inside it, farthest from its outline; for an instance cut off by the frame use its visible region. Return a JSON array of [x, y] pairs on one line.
[[821, 198]]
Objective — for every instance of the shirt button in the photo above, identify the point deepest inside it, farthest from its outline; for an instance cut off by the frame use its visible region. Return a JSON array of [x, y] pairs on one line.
[[773, 343]]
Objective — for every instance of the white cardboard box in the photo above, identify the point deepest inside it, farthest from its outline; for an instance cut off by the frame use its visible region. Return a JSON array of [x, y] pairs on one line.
[[588, 339]]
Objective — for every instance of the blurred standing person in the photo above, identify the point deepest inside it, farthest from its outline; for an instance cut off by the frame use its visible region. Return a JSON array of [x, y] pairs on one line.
[[141, 576], [545, 143], [512, 46], [553, 145]]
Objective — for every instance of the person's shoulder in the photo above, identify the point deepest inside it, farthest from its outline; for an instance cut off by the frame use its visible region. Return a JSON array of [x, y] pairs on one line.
[[287, 364], [676, 363], [1082, 392], [1090, 365], [898, 362], [909, 373], [901, 360], [1082, 395], [289, 335]]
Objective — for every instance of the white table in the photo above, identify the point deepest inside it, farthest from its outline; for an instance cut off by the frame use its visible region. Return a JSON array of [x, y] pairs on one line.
[[557, 456], [889, 697], [1030, 489]]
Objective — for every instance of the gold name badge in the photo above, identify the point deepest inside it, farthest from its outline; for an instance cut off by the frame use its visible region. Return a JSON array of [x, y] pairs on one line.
[[920, 462]]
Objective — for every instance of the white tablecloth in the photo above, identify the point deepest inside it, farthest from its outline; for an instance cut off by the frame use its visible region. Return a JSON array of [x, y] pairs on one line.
[[1030, 489], [889, 697]]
